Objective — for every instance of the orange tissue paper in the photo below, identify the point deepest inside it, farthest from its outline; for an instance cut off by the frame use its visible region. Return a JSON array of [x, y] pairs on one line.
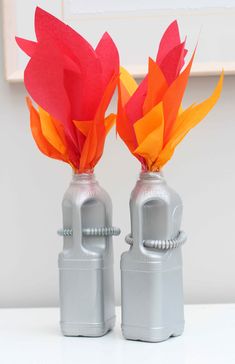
[[151, 120]]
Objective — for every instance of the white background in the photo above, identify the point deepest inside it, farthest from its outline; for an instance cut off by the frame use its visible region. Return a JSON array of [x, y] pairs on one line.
[[32, 186]]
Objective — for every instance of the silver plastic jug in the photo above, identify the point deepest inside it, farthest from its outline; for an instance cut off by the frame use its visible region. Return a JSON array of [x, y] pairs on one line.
[[86, 262], [151, 271]]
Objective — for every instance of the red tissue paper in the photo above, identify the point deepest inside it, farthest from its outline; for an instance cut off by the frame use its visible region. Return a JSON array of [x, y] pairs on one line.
[[72, 83]]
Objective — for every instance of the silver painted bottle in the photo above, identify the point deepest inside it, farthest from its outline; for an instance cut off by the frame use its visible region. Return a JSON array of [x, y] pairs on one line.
[[86, 262], [151, 270]]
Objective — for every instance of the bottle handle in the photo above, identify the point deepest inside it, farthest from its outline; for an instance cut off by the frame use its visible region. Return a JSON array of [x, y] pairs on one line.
[[76, 232], [136, 238], [136, 223]]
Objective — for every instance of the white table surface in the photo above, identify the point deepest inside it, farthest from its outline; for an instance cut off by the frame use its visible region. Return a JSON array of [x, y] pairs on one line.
[[32, 336]]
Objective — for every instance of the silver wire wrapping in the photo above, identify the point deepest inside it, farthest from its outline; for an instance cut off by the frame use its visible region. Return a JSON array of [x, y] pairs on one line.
[[161, 244], [101, 231]]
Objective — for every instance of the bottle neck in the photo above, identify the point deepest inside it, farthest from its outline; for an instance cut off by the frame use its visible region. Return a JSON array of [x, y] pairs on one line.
[[84, 177], [151, 176]]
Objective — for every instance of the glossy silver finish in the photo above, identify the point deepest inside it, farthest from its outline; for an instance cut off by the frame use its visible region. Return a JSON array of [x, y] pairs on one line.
[[86, 262], [151, 277]]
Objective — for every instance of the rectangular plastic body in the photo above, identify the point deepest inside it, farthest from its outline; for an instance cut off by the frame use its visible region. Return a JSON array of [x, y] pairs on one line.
[[86, 262], [151, 278]]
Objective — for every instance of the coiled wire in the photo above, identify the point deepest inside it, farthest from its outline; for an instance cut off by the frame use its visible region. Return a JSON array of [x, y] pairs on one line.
[[161, 244], [101, 231]]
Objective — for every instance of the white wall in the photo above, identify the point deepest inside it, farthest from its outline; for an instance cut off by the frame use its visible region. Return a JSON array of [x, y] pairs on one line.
[[31, 188]]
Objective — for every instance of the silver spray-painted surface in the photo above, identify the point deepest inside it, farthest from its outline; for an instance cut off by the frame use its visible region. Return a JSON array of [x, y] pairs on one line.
[[151, 270], [86, 262]]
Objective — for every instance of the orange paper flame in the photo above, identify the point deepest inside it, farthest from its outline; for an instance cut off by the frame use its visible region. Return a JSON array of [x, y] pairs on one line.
[[151, 120]]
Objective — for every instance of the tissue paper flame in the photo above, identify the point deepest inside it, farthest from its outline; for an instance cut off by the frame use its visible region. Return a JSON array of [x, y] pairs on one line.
[[73, 84], [151, 120]]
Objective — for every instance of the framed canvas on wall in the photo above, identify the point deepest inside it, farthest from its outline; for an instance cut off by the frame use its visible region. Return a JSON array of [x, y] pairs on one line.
[[135, 26]]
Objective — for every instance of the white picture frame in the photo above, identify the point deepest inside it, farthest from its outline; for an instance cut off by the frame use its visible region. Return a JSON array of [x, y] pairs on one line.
[[18, 18], [216, 42]]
